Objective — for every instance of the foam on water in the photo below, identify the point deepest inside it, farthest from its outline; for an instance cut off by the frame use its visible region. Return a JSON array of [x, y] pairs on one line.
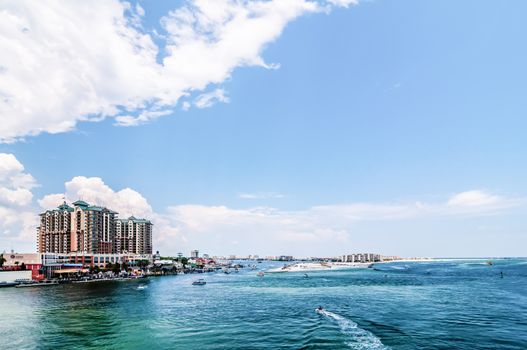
[[360, 339]]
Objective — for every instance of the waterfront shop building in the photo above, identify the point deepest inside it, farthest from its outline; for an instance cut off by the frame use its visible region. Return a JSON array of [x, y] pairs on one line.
[[53, 264], [23, 262]]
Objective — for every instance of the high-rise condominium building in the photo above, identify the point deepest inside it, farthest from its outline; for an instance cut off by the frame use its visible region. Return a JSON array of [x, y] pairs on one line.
[[134, 235], [86, 228], [92, 229], [54, 232]]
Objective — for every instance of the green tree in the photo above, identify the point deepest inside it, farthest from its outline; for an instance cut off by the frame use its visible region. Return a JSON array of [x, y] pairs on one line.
[[142, 264], [2, 260], [22, 266]]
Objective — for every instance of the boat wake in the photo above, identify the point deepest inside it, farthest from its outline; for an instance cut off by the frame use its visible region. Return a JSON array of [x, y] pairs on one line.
[[360, 339]]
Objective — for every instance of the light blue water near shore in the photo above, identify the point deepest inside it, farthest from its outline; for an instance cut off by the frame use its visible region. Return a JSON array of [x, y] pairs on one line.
[[433, 305]]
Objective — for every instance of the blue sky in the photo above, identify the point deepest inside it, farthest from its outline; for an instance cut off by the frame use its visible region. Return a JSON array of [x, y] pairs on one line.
[[376, 111]]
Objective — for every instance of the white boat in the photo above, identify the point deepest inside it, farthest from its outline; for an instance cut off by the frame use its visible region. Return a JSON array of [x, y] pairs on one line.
[[260, 274], [200, 282], [8, 284], [38, 284]]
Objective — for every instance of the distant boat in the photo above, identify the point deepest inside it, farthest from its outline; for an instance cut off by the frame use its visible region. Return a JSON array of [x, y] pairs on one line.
[[226, 270], [490, 263], [7, 284], [37, 284], [260, 274], [200, 282]]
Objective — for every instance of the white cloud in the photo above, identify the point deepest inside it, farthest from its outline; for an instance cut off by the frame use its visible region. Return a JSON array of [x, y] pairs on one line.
[[343, 3], [143, 118], [261, 195], [15, 183], [68, 61], [94, 191], [208, 99], [474, 198], [327, 229], [17, 219]]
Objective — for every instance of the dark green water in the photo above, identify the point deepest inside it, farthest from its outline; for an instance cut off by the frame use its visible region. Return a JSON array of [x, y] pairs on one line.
[[439, 305]]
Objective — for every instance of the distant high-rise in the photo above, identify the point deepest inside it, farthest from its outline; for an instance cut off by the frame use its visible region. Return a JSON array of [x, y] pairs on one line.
[[194, 254]]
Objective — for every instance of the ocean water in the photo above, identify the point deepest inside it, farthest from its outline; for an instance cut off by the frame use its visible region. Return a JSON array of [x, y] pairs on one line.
[[433, 305]]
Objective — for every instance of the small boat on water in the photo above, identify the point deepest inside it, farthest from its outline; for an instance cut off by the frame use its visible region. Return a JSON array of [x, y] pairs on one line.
[[38, 284], [490, 263], [200, 282], [8, 284], [226, 270], [260, 274]]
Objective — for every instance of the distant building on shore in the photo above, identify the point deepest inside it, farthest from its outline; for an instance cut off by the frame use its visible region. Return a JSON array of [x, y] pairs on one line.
[[285, 258], [194, 254], [90, 229], [361, 257]]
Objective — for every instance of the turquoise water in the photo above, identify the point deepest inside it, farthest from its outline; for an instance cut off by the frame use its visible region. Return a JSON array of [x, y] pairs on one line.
[[439, 305]]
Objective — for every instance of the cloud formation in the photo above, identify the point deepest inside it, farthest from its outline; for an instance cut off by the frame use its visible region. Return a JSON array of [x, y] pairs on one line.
[[15, 183], [64, 62], [218, 229], [17, 219]]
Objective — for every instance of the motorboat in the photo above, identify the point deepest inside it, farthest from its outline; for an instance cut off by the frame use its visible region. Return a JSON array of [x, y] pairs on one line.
[[38, 284], [260, 274], [8, 284], [200, 282]]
